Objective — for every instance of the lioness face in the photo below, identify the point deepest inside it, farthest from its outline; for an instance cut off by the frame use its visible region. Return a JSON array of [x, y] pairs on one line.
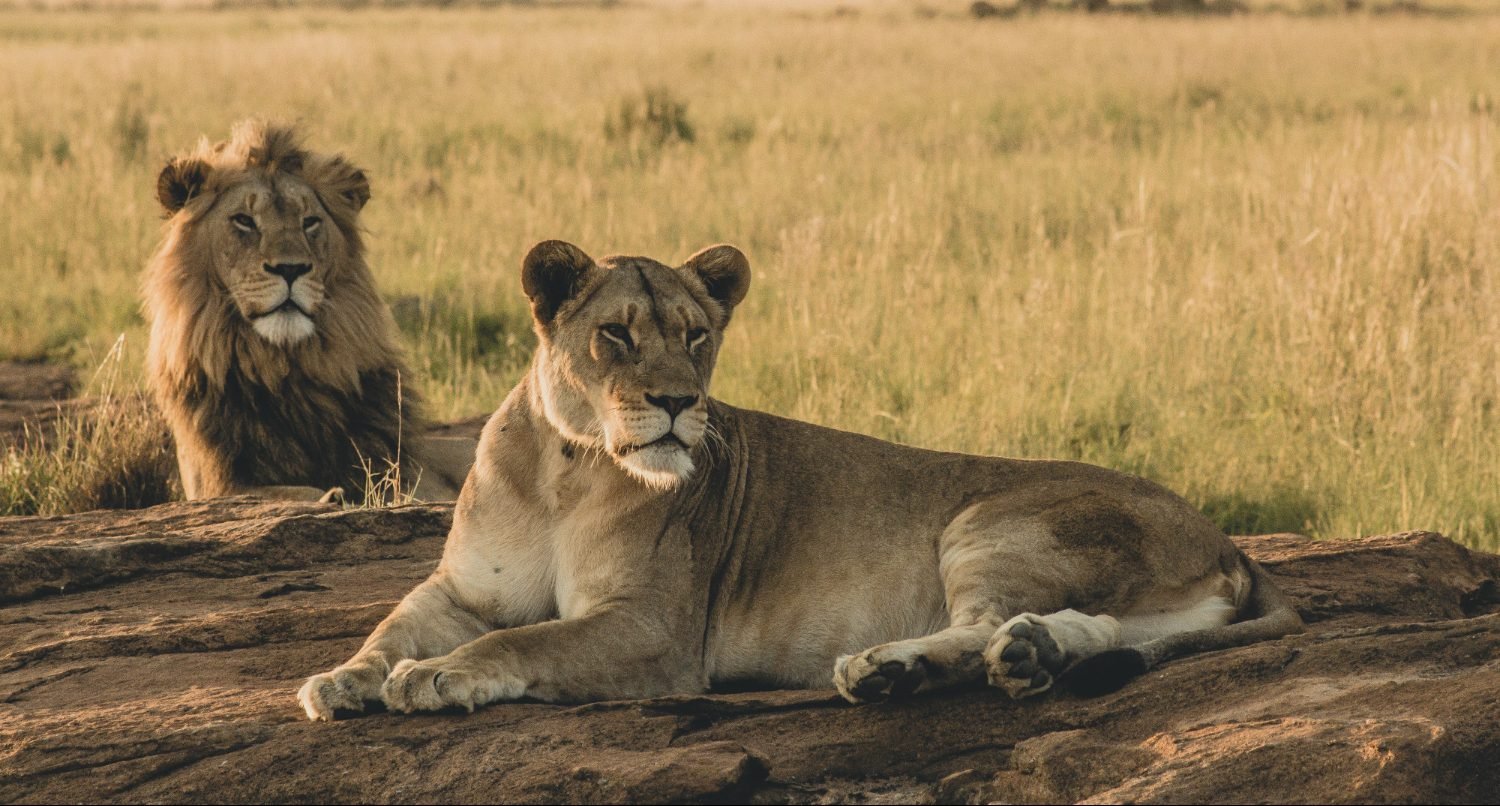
[[273, 238], [627, 350]]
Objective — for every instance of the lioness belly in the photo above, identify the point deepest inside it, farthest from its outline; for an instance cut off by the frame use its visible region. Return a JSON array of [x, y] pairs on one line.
[[788, 626]]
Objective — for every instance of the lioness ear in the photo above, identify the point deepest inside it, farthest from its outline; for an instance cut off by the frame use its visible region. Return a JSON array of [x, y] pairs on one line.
[[551, 275], [725, 272], [179, 181]]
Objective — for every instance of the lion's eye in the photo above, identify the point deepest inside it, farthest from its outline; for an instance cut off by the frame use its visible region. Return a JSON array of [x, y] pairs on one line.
[[695, 337], [617, 333], [311, 224], [243, 222]]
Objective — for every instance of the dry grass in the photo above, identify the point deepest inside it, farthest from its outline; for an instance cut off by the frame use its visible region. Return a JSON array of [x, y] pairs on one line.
[[113, 454], [1250, 257]]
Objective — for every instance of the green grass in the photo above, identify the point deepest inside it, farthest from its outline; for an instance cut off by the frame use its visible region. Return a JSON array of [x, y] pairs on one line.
[[1249, 257]]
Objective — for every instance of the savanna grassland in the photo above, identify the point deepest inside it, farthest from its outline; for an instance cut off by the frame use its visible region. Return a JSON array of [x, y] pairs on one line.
[[1251, 257]]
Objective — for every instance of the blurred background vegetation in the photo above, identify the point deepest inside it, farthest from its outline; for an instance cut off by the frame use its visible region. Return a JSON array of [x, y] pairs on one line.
[[1251, 256]]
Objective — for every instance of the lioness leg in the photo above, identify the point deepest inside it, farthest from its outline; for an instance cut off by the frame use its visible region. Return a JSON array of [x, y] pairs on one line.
[[1027, 653], [427, 623], [612, 653], [984, 581]]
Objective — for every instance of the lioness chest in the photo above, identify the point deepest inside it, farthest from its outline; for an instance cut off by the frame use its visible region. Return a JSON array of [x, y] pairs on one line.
[[515, 565], [536, 541]]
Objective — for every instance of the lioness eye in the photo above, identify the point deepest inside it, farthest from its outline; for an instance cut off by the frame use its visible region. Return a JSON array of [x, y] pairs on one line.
[[243, 222], [695, 337], [311, 224], [615, 332]]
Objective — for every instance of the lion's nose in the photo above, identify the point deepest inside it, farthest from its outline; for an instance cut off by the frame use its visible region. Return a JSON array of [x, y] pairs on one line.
[[289, 271], [674, 405]]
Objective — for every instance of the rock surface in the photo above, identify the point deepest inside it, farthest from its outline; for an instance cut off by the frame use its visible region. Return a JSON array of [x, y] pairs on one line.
[[36, 380], [153, 656], [32, 396]]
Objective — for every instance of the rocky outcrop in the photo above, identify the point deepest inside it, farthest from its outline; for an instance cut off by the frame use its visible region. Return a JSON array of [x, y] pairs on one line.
[[153, 656]]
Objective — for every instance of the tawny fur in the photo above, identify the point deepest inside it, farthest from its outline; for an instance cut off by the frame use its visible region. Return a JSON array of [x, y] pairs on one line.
[[250, 414], [624, 535]]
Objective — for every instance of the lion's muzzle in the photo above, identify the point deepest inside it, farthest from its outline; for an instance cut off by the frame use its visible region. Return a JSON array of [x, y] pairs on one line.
[[289, 271]]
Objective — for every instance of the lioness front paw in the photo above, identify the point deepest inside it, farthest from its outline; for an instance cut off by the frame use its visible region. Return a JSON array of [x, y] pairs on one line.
[[878, 674], [346, 688], [437, 683], [1023, 659]]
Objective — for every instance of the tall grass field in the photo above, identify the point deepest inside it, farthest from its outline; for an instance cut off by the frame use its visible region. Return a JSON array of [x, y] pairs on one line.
[[1252, 257]]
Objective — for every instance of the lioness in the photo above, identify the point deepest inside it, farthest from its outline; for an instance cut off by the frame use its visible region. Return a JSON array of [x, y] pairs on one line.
[[272, 355], [625, 535]]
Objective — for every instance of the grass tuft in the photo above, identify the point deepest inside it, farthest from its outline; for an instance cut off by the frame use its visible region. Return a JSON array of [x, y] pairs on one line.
[[113, 452], [652, 119]]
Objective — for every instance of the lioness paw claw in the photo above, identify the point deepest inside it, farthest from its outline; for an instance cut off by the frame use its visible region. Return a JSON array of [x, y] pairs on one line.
[[867, 677], [432, 685], [1023, 659], [343, 689]]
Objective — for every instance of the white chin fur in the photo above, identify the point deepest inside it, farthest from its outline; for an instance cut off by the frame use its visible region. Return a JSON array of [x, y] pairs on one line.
[[284, 328], [660, 467]]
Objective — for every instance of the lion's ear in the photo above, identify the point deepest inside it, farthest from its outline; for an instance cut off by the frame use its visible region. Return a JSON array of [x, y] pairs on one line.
[[551, 274], [337, 178], [357, 189], [725, 272], [179, 181]]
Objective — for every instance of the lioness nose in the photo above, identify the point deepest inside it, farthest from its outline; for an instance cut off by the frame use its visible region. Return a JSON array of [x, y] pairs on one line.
[[289, 271], [673, 405]]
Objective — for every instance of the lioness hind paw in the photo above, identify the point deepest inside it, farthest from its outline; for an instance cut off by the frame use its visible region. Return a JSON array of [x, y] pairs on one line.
[[1023, 659]]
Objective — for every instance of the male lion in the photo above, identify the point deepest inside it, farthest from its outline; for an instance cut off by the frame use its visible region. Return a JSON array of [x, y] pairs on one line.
[[272, 356], [625, 535]]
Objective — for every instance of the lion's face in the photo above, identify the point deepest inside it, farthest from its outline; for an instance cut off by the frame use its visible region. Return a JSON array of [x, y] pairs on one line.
[[259, 291], [271, 239], [628, 348], [268, 224]]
